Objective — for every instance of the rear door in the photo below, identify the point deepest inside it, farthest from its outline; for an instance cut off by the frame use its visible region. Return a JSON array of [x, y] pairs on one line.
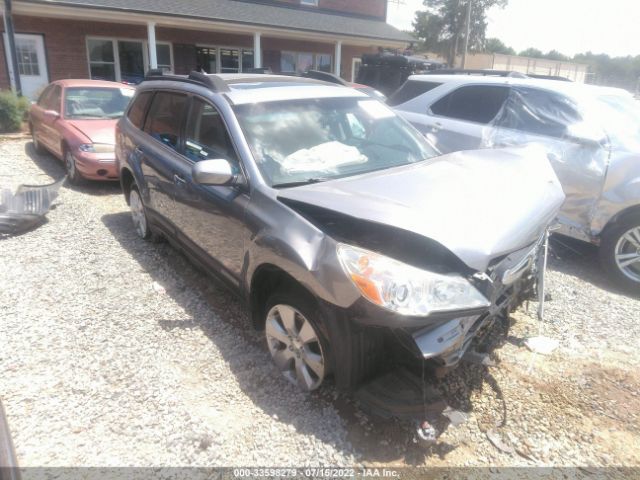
[[459, 120], [553, 120], [159, 153], [49, 133], [37, 110], [210, 219]]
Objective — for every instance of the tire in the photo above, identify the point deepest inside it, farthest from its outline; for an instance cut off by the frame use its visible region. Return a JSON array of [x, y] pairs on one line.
[[297, 339], [139, 214], [620, 252], [37, 146], [73, 175]]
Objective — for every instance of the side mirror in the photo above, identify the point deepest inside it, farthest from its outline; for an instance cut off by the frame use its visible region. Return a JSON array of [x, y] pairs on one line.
[[52, 114], [213, 172]]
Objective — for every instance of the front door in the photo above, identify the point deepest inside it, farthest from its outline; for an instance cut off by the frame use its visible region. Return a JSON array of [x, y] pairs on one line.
[[210, 219], [32, 63]]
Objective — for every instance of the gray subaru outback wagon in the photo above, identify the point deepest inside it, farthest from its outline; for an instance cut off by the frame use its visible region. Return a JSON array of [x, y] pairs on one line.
[[355, 247]]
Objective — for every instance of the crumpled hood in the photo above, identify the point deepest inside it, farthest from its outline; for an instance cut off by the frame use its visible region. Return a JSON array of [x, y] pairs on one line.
[[478, 204], [98, 131]]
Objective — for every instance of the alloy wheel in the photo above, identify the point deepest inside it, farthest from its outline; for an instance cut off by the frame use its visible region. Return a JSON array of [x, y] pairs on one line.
[[295, 347], [627, 254], [137, 213]]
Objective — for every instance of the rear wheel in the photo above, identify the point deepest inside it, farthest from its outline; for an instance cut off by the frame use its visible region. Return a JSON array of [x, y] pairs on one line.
[[37, 146], [620, 252], [138, 214], [294, 336]]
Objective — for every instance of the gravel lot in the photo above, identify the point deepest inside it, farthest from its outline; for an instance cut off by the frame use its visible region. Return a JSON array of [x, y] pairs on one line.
[[117, 352]]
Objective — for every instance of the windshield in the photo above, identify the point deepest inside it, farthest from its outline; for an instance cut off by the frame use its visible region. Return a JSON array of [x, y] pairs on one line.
[[306, 141], [96, 103]]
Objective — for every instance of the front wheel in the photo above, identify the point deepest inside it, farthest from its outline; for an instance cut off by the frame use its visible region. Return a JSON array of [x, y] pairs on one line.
[[72, 170], [295, 340], [620, 253]]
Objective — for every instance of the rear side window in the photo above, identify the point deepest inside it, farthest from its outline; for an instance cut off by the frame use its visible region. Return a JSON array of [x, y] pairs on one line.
[[165, 118], [410, 90], [139, 109], [539, 112], [475, 103]]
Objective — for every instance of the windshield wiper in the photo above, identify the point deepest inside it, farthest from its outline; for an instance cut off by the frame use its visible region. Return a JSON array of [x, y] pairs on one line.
[[299, 183]]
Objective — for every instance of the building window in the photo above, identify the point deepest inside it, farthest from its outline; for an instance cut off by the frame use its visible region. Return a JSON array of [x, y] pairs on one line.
[[102, 65], [323, 62], [356, 63], [124, 60], [163, 55], [26, 50], [300, 62], [131, 60], [224, 59]]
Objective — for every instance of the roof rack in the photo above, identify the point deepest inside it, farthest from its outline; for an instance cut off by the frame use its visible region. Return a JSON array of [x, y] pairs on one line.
[[213, 82], [549, 77], [324, 76], [486, 73]]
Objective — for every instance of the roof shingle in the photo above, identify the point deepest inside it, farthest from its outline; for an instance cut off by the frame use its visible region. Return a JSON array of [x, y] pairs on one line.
[[235, 11]]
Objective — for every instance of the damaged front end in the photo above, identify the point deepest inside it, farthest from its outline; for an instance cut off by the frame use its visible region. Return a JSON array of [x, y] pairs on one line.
[[438, 254], [507, 283], [26, 208]]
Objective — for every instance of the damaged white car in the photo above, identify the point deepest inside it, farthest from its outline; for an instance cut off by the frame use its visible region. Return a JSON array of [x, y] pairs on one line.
[[591, 136]]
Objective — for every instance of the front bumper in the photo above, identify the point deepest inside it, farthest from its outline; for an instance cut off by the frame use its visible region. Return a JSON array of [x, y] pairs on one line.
[[445, 337], [507, 284], [97, 166]]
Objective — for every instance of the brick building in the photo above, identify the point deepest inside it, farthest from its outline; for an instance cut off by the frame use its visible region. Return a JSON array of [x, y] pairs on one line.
[[120, 39]]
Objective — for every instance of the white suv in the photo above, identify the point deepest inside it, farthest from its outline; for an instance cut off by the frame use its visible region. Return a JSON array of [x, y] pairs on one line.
[[591, 135]]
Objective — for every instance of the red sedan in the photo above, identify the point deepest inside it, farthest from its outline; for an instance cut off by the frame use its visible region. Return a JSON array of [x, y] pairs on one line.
[[75, 120]]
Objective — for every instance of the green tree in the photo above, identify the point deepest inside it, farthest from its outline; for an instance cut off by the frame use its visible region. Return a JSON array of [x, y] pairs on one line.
[[556, 55], [532, 52], [441, 27], [495, 45]]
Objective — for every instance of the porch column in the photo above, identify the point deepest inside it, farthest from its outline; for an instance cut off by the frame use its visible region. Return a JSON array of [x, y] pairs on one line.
[[257, 50], [151, 39], [14, 78], [338, 58]]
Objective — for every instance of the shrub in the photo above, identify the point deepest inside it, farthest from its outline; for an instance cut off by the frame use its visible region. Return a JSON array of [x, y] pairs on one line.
[[13, 110]]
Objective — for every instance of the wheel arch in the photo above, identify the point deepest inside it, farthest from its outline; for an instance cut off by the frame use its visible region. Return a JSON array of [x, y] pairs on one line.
[[127, 181], [267, 279], [620, 216]]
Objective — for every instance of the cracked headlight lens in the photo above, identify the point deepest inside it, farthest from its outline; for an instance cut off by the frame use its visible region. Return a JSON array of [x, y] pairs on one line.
[[404, 289]]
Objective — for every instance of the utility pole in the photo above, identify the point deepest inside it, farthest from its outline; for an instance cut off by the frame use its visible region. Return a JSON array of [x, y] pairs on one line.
[[466, 37], [11, 40]]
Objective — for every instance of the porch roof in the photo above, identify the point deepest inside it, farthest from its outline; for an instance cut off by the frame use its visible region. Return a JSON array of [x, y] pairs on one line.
[[246, 13]]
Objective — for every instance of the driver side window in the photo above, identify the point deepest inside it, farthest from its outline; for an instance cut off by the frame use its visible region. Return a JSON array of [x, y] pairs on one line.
[[206, 136]]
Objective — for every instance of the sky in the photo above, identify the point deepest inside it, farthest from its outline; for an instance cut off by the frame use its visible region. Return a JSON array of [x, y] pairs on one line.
[[569, 26]]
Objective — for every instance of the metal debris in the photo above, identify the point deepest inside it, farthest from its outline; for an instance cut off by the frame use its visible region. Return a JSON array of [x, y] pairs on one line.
[[26, 209]]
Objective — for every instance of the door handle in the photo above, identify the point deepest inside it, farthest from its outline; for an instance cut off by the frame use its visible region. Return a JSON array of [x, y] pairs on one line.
[[178, 180], [436, 127]]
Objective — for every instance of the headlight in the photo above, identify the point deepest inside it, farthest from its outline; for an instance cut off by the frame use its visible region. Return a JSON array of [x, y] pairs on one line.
[[404, 289], [97, 148]]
